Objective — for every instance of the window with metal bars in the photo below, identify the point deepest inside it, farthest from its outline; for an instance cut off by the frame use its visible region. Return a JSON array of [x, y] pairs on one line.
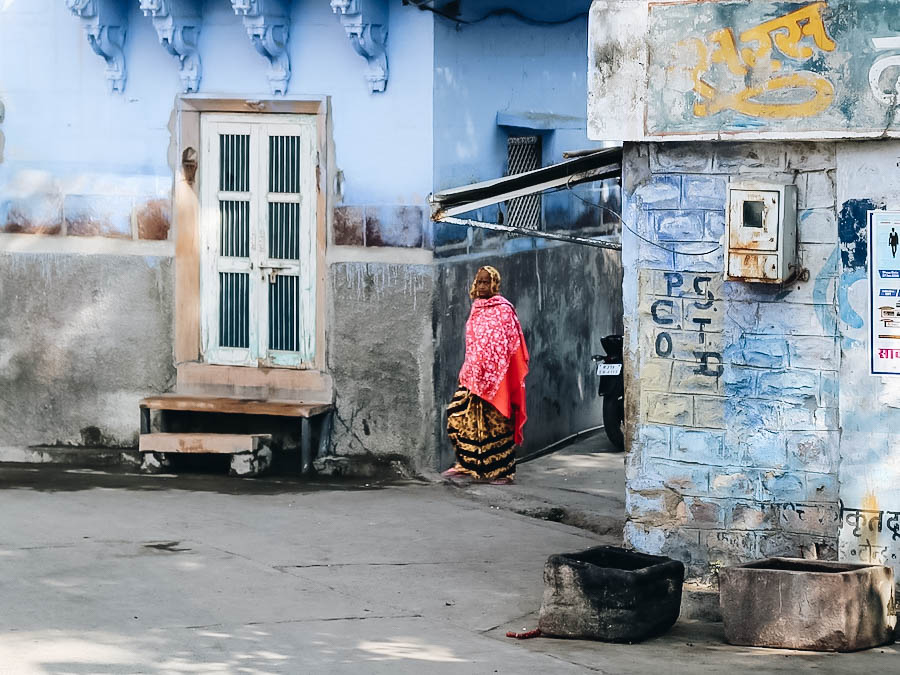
[[523, 153]]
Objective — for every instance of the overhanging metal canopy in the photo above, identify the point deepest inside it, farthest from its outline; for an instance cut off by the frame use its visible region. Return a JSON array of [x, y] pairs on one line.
[[598, 165]]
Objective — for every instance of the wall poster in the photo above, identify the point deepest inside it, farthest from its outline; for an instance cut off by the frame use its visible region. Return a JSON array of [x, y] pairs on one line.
[[884, 292]]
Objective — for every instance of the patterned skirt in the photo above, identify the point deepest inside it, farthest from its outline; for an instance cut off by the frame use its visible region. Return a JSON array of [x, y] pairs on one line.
[[483, 437]]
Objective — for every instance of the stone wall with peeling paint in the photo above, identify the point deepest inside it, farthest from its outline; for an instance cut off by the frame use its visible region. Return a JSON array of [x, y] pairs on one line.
[[754, 425], [755, 428], [733, 391], [767, 69]]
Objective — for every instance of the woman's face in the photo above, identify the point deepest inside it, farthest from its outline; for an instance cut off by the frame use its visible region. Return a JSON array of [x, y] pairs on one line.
[[483, 285]]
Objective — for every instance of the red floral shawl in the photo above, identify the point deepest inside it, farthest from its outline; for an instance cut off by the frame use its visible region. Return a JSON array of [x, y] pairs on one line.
[[496, 358]]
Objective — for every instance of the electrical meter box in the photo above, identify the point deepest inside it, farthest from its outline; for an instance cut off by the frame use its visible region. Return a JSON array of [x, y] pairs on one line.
[[761, 232]]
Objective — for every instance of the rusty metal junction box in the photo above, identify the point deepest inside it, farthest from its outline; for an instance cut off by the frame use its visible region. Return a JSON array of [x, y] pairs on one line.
[[761, 232]]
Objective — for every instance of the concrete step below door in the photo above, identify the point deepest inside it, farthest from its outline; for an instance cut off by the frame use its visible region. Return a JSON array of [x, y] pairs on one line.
[[228, 444], [250, 453]]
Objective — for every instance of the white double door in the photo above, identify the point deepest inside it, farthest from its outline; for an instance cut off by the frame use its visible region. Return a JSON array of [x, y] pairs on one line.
[[258, 239]]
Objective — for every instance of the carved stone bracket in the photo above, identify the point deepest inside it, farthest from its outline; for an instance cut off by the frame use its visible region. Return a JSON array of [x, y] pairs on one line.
[[177, 23], [105, 24], [366, 24], [268, 24]]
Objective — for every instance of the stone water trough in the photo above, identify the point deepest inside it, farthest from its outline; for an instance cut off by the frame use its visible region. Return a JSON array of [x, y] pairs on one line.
[[610, 594], [808, 604]]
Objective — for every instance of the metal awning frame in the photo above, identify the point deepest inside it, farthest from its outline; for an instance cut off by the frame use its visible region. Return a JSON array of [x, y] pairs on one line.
[[568, 238], [448, 204]]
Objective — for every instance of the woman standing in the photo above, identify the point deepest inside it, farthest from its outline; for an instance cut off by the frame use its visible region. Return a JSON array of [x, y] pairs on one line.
[[487, 413]]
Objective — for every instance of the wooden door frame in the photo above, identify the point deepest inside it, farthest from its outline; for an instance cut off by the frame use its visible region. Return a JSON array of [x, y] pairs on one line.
[[193, 374]]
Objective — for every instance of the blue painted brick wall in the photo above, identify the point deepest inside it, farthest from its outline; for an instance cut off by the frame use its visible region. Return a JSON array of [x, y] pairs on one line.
[[755, 426]]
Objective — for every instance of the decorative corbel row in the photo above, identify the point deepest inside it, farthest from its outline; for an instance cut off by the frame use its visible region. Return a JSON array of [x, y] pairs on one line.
[[268, 24], [366, 24], [105, 24], [177, 23]]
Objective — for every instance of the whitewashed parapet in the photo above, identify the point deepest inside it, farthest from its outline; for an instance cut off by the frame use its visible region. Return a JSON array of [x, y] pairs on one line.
[[366, 24], [268, 24], [105, 24], [177, 23]]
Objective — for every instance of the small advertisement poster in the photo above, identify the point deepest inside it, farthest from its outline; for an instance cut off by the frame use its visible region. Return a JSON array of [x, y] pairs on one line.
[[884, 292]]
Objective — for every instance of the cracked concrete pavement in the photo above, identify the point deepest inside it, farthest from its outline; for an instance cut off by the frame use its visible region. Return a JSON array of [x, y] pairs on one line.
[[115, 573]]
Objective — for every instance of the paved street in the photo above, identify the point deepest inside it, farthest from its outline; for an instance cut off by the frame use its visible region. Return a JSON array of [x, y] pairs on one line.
[[119, 573]]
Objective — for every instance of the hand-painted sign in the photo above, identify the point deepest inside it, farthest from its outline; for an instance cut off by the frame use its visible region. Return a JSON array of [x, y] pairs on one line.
[[770, 67], [884, 296]]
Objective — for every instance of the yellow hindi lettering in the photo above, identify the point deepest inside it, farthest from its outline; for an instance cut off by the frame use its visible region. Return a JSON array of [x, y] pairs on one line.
[[726, 51], [822, 92], [815, 92], [788, 31]]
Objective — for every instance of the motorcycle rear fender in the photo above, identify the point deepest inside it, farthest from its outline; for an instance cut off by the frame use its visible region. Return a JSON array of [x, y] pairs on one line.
[[609, 384]]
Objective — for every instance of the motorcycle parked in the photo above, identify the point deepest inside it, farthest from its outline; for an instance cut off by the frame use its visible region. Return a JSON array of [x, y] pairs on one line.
[[612, 389]]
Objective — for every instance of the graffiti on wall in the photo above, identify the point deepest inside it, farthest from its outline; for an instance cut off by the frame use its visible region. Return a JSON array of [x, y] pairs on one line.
[[773, 66], [861, 532], [675, 316]]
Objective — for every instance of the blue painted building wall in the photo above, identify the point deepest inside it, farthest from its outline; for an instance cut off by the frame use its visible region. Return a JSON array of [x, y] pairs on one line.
[[61, 119], [533, 69], [537, 77], [85, 183]]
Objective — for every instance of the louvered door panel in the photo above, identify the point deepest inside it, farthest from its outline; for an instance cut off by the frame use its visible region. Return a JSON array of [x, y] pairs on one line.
[[284, 329], [234, 310], [230, 153], [290, 246], [258, 208]]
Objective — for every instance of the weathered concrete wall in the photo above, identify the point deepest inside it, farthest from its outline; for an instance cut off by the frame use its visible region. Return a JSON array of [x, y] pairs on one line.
[[381, 356], [82, 339], [733, 391], [567, 298]]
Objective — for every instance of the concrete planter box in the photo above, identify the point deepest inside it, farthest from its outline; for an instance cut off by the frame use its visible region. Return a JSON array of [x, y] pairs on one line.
[[808, 604], [611, 594]]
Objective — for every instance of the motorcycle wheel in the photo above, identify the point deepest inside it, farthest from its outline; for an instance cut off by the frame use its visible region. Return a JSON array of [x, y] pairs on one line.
[[614, 419]]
